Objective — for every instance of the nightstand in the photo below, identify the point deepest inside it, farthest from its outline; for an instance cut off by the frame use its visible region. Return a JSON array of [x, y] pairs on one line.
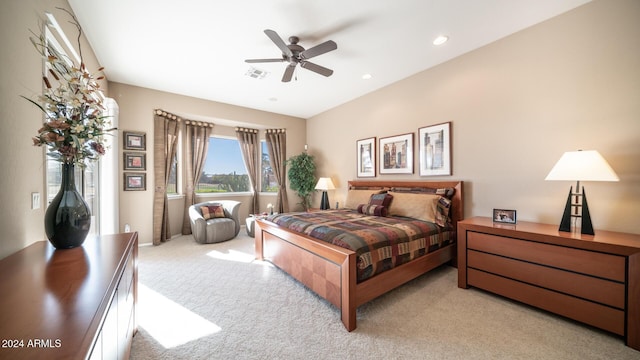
[[594, 279]]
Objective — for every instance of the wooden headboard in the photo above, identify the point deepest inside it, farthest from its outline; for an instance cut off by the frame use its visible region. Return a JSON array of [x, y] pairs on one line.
[[457, 202]]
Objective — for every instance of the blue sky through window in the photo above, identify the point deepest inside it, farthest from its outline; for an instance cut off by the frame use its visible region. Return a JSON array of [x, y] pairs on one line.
[[224, 157]]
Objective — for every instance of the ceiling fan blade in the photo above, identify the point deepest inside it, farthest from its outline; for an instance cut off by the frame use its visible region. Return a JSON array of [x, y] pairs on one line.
[[263, 60], [279, 42], [325, 47], [288, 73], [316, 68]]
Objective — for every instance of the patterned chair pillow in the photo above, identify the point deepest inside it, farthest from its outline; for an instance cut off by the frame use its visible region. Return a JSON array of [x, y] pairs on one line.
[[212, 211]]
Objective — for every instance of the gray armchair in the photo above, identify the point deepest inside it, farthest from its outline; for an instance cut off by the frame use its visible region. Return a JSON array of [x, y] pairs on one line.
[[216, 229]]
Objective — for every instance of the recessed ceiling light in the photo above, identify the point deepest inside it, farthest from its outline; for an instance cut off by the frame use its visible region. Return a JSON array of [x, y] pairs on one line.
[[366, 76], [440, 40]]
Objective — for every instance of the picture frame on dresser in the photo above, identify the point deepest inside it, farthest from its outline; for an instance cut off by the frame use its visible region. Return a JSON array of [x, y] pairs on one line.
[[396, 154], [504, 216], [366, 157]]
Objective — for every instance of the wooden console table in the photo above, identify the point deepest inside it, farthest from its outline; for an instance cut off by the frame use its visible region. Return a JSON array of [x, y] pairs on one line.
[[70, 304], [594, 279]]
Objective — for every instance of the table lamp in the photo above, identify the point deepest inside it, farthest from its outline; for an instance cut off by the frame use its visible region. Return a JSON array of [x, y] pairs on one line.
[[324, 184], [579, 166]]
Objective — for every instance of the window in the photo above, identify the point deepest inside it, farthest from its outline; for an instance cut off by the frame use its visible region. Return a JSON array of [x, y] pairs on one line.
[[172, 186], [268, 181], [224, 170]]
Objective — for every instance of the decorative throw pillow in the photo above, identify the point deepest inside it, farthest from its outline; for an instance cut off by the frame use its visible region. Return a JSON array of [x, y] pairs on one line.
[[212, 211], [357, 197], [414, 205], [375, 210], [381, 199], [442, 212]]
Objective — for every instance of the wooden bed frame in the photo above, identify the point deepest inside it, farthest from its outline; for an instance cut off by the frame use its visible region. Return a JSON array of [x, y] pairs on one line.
[[330, 271]]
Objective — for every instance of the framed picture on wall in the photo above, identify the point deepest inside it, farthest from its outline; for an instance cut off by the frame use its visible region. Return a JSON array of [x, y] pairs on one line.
[[135, 161], [134, 140], [434, 146], [135, 181], [366, 153], [396, 154]]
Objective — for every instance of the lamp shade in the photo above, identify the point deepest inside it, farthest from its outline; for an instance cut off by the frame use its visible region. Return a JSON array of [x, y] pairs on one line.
[[325, 183], [580, 165]]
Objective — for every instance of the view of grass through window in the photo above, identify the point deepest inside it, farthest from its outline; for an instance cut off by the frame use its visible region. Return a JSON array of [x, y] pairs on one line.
[[224, 170]]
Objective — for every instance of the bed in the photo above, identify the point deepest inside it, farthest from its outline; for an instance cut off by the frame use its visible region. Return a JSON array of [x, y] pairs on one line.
[[331, 270]]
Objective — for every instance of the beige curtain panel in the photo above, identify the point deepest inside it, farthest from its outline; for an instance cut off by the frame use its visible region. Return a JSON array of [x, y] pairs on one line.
[[166, 130], [196, 145], [250, 146], [277, 149]]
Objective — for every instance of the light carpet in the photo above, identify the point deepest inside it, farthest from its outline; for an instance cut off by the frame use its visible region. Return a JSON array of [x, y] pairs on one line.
[[216, 302]]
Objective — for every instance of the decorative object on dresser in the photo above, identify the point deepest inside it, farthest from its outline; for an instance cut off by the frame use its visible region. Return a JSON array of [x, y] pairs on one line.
[[324, 255], [592, 279], [73, 304], [366, 157], [434, 144], [73, 132], [67, 219], [504, 216], [579, 166], [396, 154], [324, 184]]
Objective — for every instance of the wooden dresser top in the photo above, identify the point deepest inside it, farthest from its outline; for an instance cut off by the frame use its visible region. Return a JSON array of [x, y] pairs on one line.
[[52, 302]]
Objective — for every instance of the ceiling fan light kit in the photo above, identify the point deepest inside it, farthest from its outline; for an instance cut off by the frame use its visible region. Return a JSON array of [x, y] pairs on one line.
[[295, 54]]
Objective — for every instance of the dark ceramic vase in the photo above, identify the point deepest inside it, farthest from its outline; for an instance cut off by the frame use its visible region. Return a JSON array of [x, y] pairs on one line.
[[68, 217]]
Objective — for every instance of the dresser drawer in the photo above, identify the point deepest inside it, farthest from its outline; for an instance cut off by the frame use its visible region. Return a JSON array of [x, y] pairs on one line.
[[612, 267], [591, 288], [601, 316]]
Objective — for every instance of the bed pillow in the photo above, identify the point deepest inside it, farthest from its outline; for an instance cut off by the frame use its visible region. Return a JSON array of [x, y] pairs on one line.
[[374, 210], [212, 211], [446, 192], [415, 205], [381, 199], [442, 212], [357, 197]]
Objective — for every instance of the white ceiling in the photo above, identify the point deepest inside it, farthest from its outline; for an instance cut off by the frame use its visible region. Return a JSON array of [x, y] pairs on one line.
[[198, 47]]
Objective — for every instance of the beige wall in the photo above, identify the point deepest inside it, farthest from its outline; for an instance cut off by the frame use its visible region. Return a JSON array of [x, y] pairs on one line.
[[22, 163], [516, 106], [136, 105]]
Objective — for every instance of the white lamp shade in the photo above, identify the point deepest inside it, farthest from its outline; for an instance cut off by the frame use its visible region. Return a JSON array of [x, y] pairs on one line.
[[325, 183], [580, 165]]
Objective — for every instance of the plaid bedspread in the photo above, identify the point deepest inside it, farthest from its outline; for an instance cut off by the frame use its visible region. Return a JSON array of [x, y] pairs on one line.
[[380, 243]]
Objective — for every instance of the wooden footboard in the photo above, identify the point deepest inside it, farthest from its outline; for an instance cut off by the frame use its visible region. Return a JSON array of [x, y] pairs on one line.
[[330, 270]]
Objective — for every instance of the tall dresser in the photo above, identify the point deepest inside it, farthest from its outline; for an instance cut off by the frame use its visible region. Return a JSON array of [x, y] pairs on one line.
[[70, 304]]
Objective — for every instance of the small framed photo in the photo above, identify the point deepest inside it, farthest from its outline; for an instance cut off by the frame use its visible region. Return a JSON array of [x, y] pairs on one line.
[[396, 154], [135, 182], [504, 216], [135, 161], [435, 149], [134, 140], [366, 153]]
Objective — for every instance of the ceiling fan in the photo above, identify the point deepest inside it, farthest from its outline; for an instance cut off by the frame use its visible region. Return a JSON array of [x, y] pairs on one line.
[[295, 54]]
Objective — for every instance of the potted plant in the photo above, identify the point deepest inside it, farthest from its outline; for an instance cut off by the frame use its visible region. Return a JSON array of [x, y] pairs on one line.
[[302, 177]]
